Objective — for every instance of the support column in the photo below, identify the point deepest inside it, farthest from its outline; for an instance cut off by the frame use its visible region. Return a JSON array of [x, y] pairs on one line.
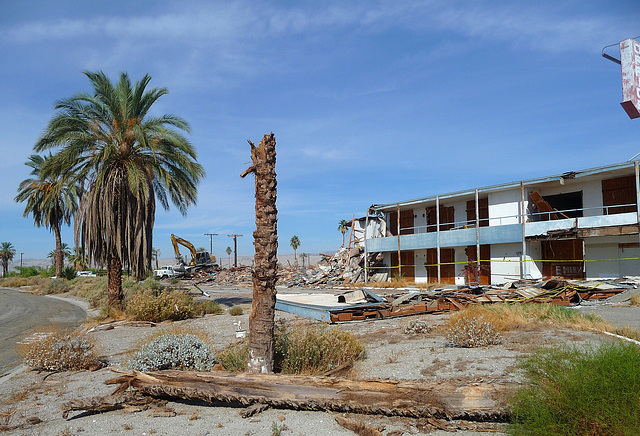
[[366, 254], [638, 195], [523, 270], [477, 237], [438, 235], [398, 231]]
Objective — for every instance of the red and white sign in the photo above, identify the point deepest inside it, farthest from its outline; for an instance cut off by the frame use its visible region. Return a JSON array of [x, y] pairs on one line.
[[630, 62]]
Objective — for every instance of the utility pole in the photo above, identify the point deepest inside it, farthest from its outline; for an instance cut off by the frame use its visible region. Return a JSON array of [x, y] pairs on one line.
[[235, 249], [21, 261], [211, 235]]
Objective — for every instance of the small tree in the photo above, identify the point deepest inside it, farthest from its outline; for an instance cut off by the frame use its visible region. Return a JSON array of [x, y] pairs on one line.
[[295, 243], [7, 253], [343, 225], [229, 251]]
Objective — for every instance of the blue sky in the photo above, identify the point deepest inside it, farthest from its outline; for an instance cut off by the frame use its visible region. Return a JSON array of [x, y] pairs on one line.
[[370, 101]]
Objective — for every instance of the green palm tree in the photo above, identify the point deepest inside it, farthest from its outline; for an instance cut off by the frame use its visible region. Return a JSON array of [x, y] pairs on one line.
[[343, 225], [7, 252], [78, 259], [51, 199], [64, 248], [295, 243], [126, 159]]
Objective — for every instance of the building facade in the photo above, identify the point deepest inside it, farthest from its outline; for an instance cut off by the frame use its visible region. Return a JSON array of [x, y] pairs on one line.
[[578, 225]]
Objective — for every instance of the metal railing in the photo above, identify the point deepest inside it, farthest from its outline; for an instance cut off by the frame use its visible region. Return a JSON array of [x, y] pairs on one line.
[[515, 219]]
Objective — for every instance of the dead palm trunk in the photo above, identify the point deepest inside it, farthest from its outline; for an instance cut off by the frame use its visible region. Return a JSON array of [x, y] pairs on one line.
[[261, 321]]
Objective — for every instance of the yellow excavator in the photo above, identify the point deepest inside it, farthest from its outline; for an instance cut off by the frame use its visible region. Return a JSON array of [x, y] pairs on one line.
[[198, 258]]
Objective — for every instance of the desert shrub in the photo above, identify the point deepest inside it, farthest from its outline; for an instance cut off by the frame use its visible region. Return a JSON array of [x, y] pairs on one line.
[[14, 282], [179, 351], [311, 350], [149, 305], [635, 300], [208, 307], [57, 350], [416, 326], [235, 311], [571, 391], [56, 286], [92, 289], [472, 332], [314, 350], [234, 356]]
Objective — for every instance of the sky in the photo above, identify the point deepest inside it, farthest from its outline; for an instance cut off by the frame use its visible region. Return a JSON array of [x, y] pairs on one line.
[[370, 101]]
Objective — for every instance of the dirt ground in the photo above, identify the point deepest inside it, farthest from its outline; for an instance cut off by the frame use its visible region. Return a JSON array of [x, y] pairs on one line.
[[32, 400]]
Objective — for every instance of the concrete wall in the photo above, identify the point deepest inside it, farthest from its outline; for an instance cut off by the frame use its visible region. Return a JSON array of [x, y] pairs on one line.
[[504, 207], [604, 254]]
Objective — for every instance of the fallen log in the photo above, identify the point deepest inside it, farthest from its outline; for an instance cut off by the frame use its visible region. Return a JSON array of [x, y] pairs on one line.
[[473, 400]]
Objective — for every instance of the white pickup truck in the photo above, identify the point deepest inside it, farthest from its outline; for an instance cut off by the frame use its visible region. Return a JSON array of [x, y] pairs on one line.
[[164, 272]]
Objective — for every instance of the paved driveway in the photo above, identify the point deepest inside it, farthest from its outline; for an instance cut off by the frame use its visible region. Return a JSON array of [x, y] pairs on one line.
[[20, 312]]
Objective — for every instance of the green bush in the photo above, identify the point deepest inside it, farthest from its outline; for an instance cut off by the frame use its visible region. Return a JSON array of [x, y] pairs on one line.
[[150, 305], [29, 271], [69, 273], [571, 391]]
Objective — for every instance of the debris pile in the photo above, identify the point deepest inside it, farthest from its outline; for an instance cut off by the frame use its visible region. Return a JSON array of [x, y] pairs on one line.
[[555, 291]]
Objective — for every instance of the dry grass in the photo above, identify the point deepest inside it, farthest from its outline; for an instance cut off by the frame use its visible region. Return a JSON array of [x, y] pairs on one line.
[[635, 300], [505, 317], [54, 349], [36, 283], [156, 306]]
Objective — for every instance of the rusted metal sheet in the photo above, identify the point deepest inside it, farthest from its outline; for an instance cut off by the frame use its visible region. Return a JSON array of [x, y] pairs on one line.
[[630, 66]]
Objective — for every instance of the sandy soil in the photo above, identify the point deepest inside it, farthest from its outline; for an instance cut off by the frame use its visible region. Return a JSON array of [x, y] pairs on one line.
[[32, 400]]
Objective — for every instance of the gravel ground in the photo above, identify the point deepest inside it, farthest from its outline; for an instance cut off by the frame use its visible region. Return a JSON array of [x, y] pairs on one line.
[[28, 395]]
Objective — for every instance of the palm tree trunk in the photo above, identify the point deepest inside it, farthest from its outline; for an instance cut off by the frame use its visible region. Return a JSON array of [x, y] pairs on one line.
[[114, 281], [261, 321], [59, 255]]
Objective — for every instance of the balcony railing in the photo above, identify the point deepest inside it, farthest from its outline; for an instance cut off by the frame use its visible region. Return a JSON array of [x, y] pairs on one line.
[[515, 219]]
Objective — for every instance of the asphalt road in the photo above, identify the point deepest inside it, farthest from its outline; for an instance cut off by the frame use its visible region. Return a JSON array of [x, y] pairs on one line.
[[21, 312]]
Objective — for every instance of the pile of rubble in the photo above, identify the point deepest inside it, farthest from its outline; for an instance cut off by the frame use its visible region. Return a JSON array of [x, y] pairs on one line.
[[403, 302]]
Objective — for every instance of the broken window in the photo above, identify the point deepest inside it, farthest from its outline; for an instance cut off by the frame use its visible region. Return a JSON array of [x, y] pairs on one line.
[[619, 192]]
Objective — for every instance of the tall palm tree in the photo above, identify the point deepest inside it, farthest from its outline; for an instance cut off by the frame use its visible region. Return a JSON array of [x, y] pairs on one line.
[[343, 225], [7, 252], [126, 159], [51, 199], [295, 243]]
